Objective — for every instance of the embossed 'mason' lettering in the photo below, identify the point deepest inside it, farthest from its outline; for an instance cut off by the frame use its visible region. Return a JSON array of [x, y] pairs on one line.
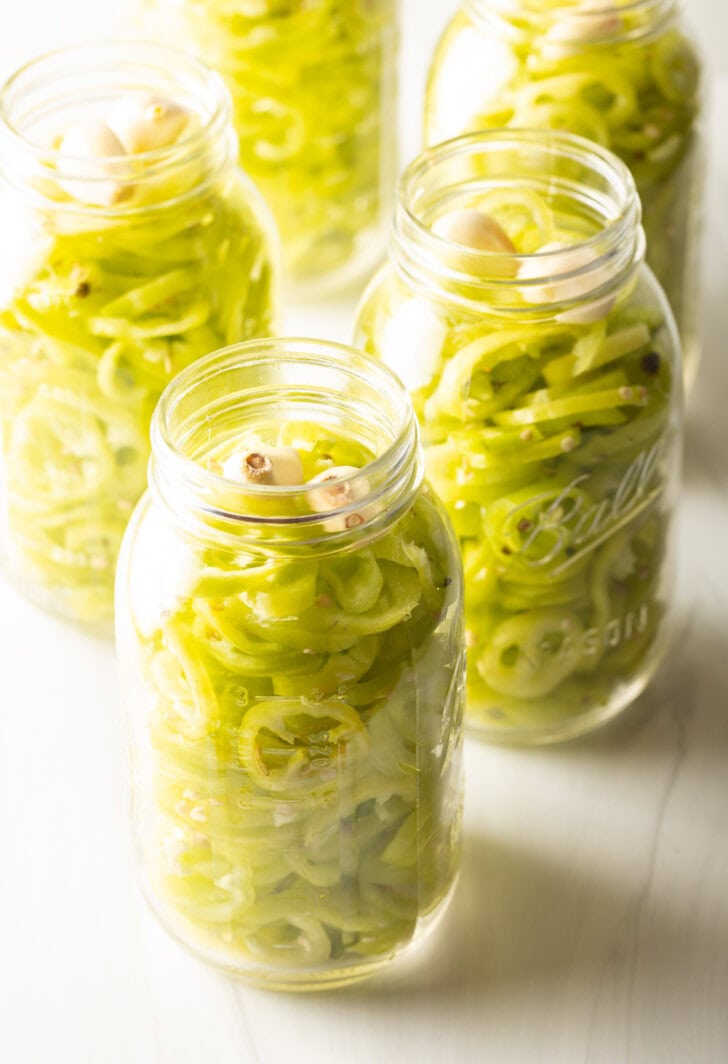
[[569, 521], [594, 641]]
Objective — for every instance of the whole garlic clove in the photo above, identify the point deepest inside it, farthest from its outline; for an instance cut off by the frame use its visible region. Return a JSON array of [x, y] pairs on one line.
[[474, 229], [573, 288], [146, 122], [91, 139], [90, 144], [335, 491], [279, 466], [592, 20]]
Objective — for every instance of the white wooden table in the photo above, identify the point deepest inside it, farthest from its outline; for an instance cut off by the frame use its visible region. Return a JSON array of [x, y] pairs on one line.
[[590, 925]]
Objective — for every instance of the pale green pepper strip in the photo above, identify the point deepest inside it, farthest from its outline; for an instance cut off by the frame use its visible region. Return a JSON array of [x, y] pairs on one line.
[[240, 652], [122, 328], [327, 676], [574, 406], [356, 581], [138, 301], [329, 628], [279, 590]]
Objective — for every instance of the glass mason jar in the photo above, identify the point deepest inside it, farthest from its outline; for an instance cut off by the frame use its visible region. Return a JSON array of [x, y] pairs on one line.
[[623, 73], [544, 365], [293, 658], [314, 92], [131, 245]]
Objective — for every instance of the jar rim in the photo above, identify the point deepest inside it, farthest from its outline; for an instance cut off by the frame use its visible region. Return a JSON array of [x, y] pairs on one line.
[[98, 66], [485, 275], [394, 472], [650, 16]]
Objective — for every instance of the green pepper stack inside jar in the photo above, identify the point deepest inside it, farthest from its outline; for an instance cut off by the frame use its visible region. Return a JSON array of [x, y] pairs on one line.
[[544, 365], [313, 84], [623, 73], [289, 618], [132, 245]]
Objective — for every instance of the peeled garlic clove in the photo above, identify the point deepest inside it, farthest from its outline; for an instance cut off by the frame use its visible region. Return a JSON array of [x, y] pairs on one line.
[[592, 20], [532, 269], [146, 122], [279, 466], [89, 144], [412, 341], [332, 494], [91, 139], [335, 492], [474, 229], [565, 259]]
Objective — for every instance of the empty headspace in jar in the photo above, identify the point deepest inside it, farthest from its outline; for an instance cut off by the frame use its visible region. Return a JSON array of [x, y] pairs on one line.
[[290, 393], [77, 89], [540, 188]]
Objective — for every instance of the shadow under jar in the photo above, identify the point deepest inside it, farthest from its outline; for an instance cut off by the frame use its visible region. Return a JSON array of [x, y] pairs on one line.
[[544, 366], [132, 245], [623, 73], [289, 620], [313, 84]]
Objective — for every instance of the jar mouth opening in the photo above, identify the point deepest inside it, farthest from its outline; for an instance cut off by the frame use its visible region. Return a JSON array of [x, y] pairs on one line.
[[53, 91], [231, 391], [571, 174], [583, 24]]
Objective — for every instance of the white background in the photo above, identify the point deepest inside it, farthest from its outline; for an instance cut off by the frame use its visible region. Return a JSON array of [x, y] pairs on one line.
[[591, 920]]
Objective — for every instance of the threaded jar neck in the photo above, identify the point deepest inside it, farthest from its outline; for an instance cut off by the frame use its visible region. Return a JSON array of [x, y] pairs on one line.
[[571, 177], [228, 395], [79, 86]]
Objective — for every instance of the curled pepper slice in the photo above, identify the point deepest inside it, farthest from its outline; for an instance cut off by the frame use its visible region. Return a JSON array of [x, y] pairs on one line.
[[290, 744], [529, 655]]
